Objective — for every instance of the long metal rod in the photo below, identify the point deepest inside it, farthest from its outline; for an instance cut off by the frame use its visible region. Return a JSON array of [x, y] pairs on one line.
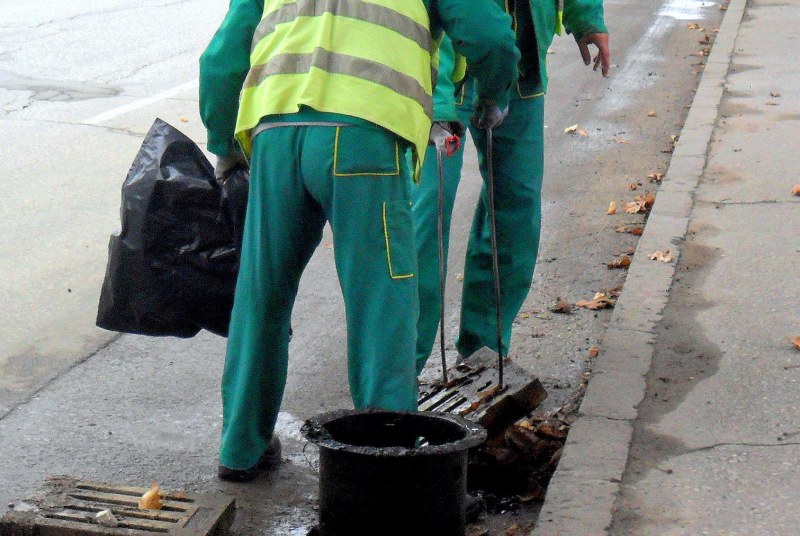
[[440, 231], [495, 262]]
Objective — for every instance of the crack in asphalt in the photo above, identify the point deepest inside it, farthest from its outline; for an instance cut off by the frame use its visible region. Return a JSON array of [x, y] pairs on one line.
[[759, 445], [745, 203], [57, 376], [129, 73]]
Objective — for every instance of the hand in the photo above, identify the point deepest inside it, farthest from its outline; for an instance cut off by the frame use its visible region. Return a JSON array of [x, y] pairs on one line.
[[442, 130], [226, 164], [488, 115], [603, 58]]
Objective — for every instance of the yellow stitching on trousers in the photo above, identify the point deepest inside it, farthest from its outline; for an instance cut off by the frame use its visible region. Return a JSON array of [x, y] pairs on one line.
[[388, 249], [365, 174], [523, 97]]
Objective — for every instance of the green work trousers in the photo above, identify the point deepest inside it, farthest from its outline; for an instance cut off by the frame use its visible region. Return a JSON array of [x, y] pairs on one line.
[[518, 162], [356, 178]]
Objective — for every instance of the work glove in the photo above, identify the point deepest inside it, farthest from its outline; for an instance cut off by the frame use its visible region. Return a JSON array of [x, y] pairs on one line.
[[226, 165], [441, 131], [488, 115]]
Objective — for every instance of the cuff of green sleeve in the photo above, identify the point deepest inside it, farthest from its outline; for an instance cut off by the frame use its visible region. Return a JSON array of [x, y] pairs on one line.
[[580, 33], [220, 146]]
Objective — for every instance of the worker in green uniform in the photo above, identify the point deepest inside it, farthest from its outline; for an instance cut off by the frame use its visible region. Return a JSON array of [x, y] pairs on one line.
[[518, 160], [325, 99]]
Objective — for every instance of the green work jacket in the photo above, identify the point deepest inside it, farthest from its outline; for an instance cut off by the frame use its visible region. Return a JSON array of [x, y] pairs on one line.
[[580, 18], [480, 32]]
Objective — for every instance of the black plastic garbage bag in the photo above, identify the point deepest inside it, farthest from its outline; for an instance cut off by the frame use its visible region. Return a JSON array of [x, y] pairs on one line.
[[172, 266]]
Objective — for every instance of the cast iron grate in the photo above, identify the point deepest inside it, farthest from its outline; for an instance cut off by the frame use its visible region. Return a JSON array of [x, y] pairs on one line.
[[67, 506], [472, 392]]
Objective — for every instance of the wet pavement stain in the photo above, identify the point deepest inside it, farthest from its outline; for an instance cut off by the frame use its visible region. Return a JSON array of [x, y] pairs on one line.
[[682, 359], [56, 90]]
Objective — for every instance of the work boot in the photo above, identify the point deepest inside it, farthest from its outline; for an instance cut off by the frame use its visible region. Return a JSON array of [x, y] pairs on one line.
[[269, 459]]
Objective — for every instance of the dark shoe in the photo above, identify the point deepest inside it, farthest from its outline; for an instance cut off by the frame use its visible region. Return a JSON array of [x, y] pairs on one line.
[[269, 459], [475, 506]]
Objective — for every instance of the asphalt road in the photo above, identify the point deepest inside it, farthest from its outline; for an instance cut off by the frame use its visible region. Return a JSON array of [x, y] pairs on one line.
[[79, 87]]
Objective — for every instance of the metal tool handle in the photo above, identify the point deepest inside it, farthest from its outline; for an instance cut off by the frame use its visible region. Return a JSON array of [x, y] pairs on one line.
[[495, 262], [440, 230]]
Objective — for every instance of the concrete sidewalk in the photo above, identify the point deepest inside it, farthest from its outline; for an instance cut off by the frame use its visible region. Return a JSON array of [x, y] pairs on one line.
[[690, 424]]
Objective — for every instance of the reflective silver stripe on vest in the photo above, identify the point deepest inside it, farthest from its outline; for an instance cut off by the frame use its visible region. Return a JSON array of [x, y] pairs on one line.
[[354, 9], [334, 63]]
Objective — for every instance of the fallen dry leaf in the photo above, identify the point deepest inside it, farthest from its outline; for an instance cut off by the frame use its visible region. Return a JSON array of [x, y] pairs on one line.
[[647, 200], [796, 342], [526, 424], [151, 499], [633, 186], [519, 530], [796, 189], [488, 394], [561, 307], [571, 130], [636, 231], [652, 113], [620, 262], [548, 430], [663, 256], [613, 292], [706, 39], [633, 207], [612, 208], [656, 177], [693, 26], [594, 351], [600, 301]]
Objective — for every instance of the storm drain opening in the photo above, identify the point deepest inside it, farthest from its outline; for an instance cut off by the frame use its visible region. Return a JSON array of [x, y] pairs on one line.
[[384, 472], [512, 468]]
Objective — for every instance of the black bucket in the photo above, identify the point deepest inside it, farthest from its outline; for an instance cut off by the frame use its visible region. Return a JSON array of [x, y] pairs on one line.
[[384, 472]]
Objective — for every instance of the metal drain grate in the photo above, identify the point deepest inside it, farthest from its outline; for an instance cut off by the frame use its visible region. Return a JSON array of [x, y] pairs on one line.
[[67, 506], [472, 392]]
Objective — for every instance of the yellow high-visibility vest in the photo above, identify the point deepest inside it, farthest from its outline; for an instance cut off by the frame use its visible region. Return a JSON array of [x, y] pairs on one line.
[[371, 59]]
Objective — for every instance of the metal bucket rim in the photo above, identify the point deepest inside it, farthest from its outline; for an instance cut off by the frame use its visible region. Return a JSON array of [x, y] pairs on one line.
[[314, 431]]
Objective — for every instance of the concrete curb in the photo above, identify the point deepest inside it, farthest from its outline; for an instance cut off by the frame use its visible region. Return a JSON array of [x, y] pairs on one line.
[[584, 490]]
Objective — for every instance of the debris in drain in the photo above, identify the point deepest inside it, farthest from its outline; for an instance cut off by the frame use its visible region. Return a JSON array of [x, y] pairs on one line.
[[68, 506], [106, 518], [151, 500], [514, 466]]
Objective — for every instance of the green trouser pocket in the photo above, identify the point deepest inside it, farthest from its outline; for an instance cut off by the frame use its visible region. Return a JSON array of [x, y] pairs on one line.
[[399, 234], [360, 151]]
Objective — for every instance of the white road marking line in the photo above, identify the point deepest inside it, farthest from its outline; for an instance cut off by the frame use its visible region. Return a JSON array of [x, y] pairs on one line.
[[141, 103]]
